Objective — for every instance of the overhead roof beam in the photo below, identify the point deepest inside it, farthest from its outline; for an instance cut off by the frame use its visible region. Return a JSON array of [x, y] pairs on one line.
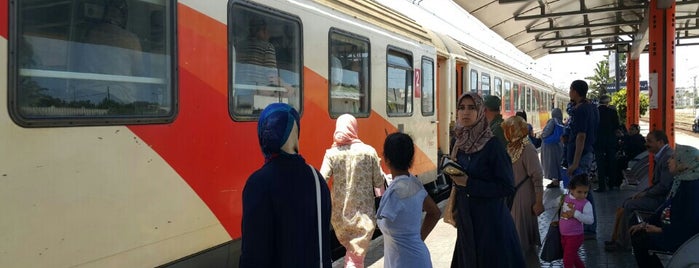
[[578, 12], [686, 2], [606, 24], [582, 36], [586, 44], [582, 50], [641, 38]]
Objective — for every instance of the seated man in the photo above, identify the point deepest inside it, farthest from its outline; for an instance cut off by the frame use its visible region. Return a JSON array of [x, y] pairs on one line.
[[677, 219], [650, 198]]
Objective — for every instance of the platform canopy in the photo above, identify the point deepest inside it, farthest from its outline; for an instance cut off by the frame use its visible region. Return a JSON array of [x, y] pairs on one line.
[[541, 27]]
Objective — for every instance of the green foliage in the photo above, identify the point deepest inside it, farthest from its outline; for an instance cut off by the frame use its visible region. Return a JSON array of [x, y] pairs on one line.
[[619, 101], [599, 81]]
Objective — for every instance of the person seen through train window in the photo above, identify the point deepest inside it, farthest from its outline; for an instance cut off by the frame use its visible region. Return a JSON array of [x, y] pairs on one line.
[[280, 218], [492, 114], [582, 124], [110, 48], [552, 149], [486, 234], [677, 219], [357, 178], [528, 199], [400, 212]]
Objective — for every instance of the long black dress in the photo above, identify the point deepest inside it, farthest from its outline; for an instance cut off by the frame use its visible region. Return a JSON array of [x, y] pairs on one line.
[[486, 235]]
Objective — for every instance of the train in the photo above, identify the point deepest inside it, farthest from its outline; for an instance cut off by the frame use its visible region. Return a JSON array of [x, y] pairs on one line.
[[129, 126]]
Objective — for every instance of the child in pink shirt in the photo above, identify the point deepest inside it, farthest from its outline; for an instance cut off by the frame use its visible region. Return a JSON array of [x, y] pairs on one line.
[[575, 212]]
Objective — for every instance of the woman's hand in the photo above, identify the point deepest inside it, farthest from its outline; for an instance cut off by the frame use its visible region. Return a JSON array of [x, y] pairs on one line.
[[460, 180], [538, 208]]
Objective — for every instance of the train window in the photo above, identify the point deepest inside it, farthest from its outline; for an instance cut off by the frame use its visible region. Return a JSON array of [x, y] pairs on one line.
[[92, 63], [427, 96], [265, 60], [515, 90], [474, 81], [399, 83], [485, 84], [507, 97], [535, 100], [497, 87], [528, 99], [349, 74]]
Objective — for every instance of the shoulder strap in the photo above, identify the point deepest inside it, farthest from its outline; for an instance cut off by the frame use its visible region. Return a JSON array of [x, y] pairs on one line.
[[522, 182], [318, 205]]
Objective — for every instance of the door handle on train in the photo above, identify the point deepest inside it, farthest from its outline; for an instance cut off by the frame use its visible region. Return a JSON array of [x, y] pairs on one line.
[[434, 121]]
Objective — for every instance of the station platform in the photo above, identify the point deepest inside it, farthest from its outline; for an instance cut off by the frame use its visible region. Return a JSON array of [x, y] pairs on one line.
[[441, 240]]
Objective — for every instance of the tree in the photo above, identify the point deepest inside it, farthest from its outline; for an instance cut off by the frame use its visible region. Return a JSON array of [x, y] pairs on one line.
[[619, 101], [599, 82]]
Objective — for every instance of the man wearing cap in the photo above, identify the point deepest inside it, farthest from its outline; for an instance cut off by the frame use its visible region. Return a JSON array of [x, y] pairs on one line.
[[583, 122], [606, 146], [492, 114]]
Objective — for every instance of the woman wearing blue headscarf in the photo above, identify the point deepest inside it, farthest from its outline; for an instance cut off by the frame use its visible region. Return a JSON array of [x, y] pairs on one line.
[[280, 209], [552, 147]]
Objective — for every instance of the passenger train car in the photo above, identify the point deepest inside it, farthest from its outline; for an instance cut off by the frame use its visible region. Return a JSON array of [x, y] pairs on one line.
[[128, 127]]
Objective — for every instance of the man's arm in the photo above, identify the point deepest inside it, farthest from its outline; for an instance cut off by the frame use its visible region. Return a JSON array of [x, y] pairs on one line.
[[579, 147]]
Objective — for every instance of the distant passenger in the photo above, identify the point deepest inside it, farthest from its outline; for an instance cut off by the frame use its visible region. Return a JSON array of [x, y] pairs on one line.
[[400, 213], [485, 232], [356, 179], [606, 146], [533, 139], [280, 218], [492, 114], [552, 148]]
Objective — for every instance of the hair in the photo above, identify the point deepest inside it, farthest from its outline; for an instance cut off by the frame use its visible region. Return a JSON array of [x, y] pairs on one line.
[[398, 148], [580, 86], [579, 180], [634, 126], [522, 114], [659, 135]]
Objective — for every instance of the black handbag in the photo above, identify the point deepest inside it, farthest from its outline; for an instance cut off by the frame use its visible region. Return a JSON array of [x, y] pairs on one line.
[[552, 249]]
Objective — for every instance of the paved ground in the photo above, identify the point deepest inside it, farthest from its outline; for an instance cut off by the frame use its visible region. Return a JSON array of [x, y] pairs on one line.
[[441, 241]]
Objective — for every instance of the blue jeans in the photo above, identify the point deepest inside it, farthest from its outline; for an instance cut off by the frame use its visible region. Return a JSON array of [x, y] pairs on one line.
[[584, 167]]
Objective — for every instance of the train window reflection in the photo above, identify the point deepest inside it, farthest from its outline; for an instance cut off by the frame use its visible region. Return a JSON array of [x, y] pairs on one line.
[[427, 96], [399, 79], [349, 62], [93, 63], [497, 87], [485, 86], [266, 60], [515, 90], [507, 97], [474, 81]]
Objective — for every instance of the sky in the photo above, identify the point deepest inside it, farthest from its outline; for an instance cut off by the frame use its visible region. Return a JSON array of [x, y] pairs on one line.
[[558, 69]]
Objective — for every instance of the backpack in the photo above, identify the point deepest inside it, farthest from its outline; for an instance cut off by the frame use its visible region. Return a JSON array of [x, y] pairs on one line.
[[555, 136]]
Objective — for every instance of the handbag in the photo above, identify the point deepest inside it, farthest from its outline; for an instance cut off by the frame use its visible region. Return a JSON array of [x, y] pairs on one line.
[[552, 249], [555, 136], [450, 210], [511, 198]]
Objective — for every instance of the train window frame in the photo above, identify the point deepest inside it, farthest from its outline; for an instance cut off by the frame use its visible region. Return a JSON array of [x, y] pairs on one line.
[[485, 83], [473, 85], [367, 72], [409, 83], [285, 83], [528, 99], [423, 96], [161, 106], [507, 95], [497, 87], [517, 95]]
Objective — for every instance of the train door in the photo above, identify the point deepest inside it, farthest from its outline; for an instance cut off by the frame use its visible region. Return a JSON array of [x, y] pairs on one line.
[[426, 91], [445, 92]]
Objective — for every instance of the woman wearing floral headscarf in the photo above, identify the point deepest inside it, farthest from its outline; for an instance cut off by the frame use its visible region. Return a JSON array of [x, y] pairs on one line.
[[486, 235], [677, 219], [280, 218], [357, 178], [527, 204]]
